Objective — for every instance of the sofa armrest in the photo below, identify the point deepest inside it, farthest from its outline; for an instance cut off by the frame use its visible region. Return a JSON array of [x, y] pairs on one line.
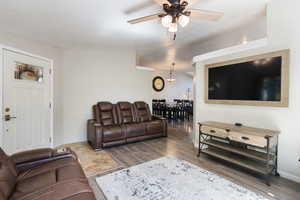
[[157, 117], [164, 124], [29, 159], [95, 134], [32, 155]]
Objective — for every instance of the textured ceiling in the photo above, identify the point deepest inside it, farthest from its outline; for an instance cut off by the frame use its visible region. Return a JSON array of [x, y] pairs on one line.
[[69, 23]]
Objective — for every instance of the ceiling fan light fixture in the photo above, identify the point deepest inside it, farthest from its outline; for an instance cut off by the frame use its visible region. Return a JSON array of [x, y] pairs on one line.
[[183, 20], [173, 28], [166, 21]]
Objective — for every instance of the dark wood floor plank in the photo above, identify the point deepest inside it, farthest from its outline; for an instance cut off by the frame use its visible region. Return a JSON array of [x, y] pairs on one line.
[[179, 144]]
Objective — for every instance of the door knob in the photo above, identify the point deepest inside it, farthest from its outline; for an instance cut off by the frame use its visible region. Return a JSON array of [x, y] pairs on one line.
[[8, 117]]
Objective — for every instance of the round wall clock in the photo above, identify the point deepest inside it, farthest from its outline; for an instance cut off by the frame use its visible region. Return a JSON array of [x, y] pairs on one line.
[[158, 83]]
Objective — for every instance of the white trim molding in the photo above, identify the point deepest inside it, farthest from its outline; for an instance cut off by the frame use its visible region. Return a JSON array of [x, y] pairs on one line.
[[145, 68], [232, 50], [289, 176]]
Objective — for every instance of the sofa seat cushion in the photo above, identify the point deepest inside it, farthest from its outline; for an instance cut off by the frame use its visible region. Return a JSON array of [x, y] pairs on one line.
[[154, 127], [72, 189], [135, 129], [112, 133], [45, 178]]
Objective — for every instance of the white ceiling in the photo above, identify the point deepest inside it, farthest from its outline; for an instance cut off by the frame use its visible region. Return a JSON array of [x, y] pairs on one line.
[[69, 23]]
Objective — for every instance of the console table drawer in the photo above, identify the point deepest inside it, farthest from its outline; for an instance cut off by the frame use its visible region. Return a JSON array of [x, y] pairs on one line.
[[214, 131], [248, 139]]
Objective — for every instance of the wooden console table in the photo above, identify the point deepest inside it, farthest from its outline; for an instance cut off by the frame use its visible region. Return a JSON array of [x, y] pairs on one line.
[[252, 148]]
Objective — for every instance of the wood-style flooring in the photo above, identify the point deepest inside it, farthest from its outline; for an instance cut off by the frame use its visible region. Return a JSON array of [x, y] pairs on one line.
[[179, 144]]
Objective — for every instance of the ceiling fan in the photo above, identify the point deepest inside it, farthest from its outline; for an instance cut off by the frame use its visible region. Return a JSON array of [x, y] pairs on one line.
[[177, 12]]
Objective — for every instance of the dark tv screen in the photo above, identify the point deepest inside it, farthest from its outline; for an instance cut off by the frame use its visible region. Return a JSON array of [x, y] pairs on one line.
[[258, 80]]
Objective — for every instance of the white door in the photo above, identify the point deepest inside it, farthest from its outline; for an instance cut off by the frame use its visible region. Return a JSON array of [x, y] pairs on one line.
[[26, 102]]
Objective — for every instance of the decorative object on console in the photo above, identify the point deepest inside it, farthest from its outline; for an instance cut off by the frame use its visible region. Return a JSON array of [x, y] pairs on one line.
[[261, 80], [171, 178], [238, 124], [158, 83], [251, 148]]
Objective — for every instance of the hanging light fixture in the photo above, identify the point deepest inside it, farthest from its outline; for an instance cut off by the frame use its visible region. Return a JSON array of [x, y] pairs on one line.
[[166, 21], [171, 23], [176, 13], [171, 77], [183, 20], [173, 28]]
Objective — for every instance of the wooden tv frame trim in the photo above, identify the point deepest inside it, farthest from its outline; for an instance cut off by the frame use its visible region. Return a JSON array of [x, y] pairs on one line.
[[284, 100]]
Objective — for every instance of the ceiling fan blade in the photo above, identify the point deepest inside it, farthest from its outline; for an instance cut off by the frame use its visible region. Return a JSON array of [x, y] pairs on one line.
[[147, 18], [162, 2], [190, 2], [139, 7], [205, 14]]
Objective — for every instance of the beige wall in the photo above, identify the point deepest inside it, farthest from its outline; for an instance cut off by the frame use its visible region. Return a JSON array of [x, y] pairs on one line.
[[92, 75], [282, 34], [83, 77]]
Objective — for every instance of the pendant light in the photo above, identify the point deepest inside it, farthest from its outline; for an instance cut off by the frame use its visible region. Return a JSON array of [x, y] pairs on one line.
[[172, 71]]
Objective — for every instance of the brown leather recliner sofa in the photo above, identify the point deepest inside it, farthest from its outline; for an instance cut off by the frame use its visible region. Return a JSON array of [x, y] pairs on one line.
[[122, 123], [42, 174]]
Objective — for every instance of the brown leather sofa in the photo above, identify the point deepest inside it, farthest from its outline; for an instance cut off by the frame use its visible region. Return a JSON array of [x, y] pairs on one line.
[[121, 123], [42, 174]]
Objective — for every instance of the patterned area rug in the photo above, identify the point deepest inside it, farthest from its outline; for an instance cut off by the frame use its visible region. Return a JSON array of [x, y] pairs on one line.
[[169, 178], [93, 162]]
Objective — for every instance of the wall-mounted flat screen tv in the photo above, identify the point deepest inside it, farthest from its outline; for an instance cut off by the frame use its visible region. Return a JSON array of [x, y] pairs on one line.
[[259, 80]]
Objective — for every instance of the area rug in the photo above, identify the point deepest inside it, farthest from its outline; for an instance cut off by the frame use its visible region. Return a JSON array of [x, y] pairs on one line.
[[169, 178], [93, 162]]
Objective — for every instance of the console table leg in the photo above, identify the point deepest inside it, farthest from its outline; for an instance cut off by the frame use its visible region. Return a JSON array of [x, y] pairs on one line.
[[276, 162], [199, 147], [267, 179], [268, 182]]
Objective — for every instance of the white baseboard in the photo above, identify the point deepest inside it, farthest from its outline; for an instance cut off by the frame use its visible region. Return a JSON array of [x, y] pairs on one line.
[[196, 145], [289, 176]]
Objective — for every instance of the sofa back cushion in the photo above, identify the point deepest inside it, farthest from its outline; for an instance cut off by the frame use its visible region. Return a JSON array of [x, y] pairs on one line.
[[8, 175], [125, 112], [142, 111], [106, 113]]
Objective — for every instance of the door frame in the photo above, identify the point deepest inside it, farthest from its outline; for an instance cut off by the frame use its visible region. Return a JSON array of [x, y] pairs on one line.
[[51, 96]]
